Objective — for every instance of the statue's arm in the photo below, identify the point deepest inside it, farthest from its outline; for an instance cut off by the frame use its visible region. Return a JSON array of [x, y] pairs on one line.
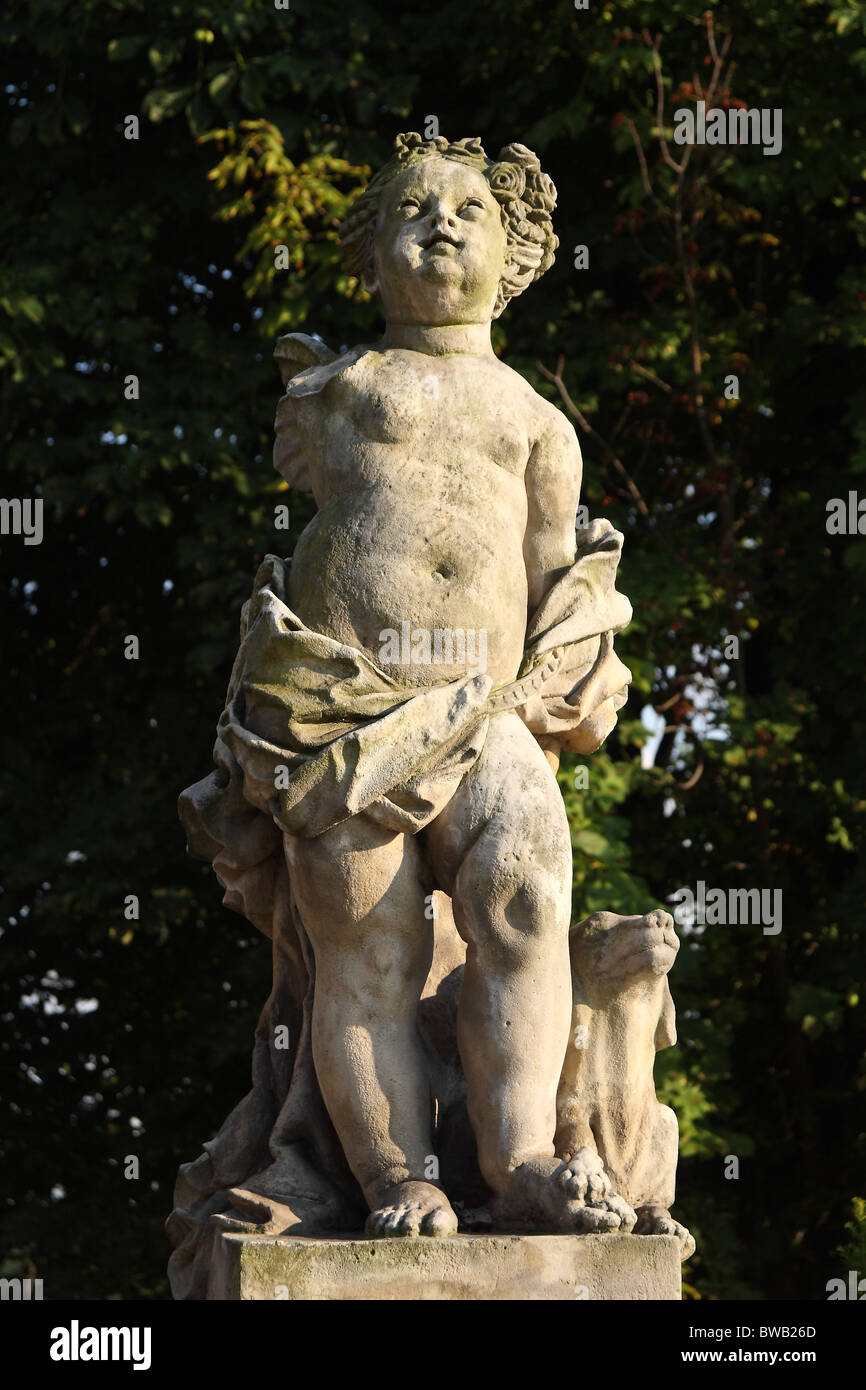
[[553, 478], [553, 481]]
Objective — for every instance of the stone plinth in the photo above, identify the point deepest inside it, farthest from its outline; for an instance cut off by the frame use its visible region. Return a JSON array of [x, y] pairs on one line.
[[489, 1267]]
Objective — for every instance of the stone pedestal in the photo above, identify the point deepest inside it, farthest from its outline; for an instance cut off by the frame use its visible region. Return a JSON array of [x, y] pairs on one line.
[[490, 1267]]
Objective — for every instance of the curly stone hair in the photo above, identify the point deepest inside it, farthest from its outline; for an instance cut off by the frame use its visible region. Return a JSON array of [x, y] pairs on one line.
[[525, 195]]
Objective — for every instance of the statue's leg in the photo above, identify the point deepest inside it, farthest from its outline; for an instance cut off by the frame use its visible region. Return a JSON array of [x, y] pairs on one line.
[[502, 849], [361, 892], [657, 1190]]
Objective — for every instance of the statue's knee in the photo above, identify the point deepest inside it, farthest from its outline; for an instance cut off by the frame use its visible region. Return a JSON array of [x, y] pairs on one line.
[[512, 908]]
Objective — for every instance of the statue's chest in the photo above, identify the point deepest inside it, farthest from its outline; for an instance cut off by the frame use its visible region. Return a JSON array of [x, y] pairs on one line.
[[434, 413]]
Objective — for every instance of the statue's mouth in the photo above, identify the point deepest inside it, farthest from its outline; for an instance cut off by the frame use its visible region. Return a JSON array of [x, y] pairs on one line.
[[652, 940], [439, 239]]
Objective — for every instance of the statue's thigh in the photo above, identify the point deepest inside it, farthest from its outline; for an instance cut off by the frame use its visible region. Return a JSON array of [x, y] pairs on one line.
[[357, 881], [507, 818]]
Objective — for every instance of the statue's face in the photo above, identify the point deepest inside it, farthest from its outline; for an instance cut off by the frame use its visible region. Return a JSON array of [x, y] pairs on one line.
[[439, 246], [609, 950]]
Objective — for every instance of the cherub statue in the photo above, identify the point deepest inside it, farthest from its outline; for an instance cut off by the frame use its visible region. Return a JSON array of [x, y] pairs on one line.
[[358, 775]]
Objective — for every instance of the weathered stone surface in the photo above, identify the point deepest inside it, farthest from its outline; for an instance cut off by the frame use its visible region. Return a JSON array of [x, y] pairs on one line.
[[470, 1267], [385, 806], [622, 1015]]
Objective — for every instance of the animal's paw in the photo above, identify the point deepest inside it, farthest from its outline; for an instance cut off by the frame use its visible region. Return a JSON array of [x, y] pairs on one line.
[[657, 1221], [600, 1209], [583, 1177], [412, 1209], [610, 1216], [620, 1208]]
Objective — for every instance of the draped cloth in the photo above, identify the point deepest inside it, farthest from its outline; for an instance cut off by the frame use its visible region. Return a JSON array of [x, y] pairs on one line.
[[314, 732]]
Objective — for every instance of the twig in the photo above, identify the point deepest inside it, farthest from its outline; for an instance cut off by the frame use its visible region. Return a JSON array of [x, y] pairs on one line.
[[660, 104], [644, 171], [651, 376]]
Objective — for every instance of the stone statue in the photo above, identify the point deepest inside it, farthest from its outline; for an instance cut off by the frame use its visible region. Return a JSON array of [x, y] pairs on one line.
[[623, 1014], [385, 806]]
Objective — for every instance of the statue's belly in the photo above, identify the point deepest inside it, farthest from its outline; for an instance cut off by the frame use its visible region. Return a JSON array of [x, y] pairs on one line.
[[411, 589]]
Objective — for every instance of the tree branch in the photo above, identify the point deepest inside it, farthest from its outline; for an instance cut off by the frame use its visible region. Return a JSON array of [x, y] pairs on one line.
[[607, 451]]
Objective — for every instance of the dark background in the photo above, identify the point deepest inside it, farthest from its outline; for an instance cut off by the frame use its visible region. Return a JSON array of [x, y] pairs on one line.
[[155, 257]]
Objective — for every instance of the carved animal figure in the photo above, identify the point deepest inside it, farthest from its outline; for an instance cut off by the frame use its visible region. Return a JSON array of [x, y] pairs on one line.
[[623, 1013]]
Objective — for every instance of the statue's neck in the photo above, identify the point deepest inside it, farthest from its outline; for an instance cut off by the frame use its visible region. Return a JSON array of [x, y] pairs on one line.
[[440, 339], [624, 1025]]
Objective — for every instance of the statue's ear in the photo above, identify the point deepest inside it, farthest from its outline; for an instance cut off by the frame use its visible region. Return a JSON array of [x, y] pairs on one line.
[[666, 1028]]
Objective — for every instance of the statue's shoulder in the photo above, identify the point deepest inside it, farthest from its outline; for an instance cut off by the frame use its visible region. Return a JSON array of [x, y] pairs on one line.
[[546, 420], [306, 366], [554, 424]]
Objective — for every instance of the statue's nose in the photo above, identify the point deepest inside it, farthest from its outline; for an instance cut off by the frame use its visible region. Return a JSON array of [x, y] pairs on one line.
[[441, 218]]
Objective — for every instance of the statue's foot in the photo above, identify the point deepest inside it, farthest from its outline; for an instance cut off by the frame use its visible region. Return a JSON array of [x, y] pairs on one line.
[[657, 1221], [412, 1209], [552, 1195]]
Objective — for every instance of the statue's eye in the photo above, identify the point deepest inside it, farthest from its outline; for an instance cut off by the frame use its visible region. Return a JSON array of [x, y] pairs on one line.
[[409, 205], [471, 207]]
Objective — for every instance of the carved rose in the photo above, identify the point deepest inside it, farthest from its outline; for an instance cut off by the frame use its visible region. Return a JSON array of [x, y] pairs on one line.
[[507, 180], [541, 194], [519, 154]]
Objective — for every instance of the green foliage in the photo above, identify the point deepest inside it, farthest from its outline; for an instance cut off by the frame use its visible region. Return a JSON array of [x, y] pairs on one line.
[[154, 258], [853, 1250]]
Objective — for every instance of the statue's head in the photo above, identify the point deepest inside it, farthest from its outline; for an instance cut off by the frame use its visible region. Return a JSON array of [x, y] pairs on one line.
[[446, 235], [610, 952], [613, 955]]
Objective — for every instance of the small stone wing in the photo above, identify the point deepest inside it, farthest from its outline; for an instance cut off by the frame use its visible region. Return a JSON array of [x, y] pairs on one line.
[[295, 353]]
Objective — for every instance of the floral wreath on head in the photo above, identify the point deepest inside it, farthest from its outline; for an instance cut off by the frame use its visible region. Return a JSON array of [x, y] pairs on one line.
[[526, 197]]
